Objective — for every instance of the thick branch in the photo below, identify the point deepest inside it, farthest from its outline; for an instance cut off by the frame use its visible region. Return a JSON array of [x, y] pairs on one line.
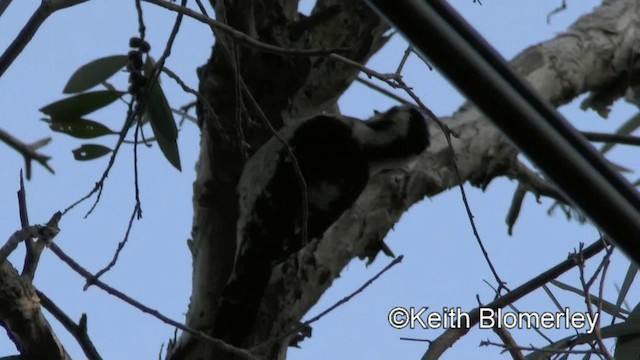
[[20, 314]]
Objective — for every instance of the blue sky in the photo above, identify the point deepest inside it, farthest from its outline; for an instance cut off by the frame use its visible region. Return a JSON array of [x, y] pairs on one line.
[[443, 266]]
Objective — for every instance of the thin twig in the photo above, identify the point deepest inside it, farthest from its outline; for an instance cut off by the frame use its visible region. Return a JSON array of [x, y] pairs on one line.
[[447, 134], [398, 73], [451, 335], [531, 348], [17, 237], [586, 285], [97, 188], [559, 9], [510, 344], [133, 113], [399, 83], [383, 91], [30, 246], [342, 301], [121, 246], [367, 71], [240, 36], [78, 331], [27, 32], [145, 309], [186, 88], [516, 310], [34, 248]]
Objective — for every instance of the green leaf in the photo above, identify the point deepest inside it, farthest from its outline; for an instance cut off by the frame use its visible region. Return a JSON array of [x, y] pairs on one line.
[[79, 128], [76, 106], [90, 152], [163, 125], [626, 129], [95, 72]]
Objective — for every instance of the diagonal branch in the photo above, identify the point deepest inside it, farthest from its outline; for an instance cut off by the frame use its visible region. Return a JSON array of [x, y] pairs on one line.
[[79, 331], [4, 5], [91, 278], [239, 35], [20, 312], [21, 316], [46, 8]]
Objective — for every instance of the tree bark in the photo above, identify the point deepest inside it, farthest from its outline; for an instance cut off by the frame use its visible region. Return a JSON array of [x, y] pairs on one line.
[[21, 315], [594, 55]]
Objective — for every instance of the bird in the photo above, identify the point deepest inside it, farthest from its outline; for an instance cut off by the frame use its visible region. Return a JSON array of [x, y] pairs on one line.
[[299, 183]]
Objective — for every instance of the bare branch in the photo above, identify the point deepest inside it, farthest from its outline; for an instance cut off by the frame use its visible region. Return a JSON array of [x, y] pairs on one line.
[[33, 253], [43, 11], [18, 237], [239, 35], [4, 4], [383, 91], [450, 336], [509, 343], [91, 278], [559, 9], [20, 312], [21, 316], [342, 301], [79, 331], [121, 246]]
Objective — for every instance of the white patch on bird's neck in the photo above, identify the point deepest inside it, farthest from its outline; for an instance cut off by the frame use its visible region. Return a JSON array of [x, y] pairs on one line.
[[372, 138]]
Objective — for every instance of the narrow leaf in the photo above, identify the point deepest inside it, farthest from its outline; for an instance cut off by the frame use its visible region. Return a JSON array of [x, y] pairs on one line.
[[76, 106], [163, 125], [90, 152], [95, 72], [79, 128]]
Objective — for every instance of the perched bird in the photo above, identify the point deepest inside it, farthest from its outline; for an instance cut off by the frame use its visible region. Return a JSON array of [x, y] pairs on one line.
[[334, 155]]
